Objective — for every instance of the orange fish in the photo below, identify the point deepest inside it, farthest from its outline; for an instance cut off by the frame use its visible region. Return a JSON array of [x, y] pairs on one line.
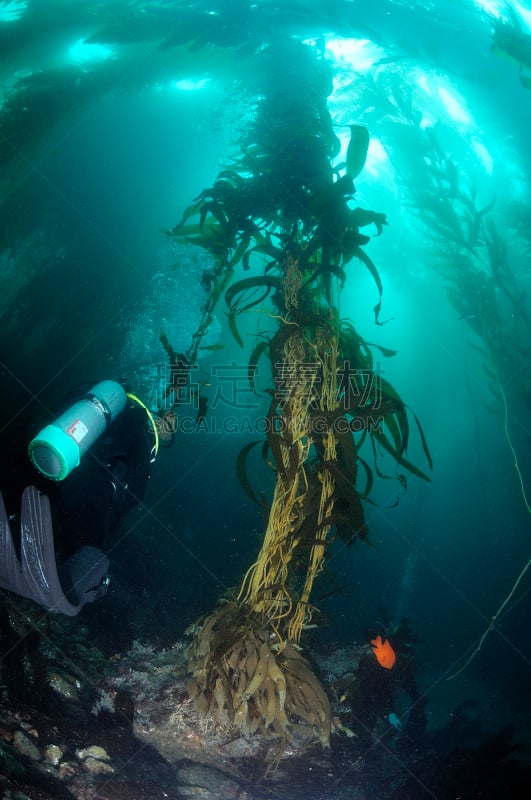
[[385, 655]]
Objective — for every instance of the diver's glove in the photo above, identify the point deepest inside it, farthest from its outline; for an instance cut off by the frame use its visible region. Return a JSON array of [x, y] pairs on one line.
[[35, 574]]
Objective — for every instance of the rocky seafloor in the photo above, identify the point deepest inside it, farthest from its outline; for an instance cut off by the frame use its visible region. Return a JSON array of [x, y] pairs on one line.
[[82, 721]]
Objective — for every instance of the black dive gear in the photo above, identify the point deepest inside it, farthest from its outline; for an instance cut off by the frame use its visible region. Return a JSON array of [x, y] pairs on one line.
[[87, 505], [35, 574]]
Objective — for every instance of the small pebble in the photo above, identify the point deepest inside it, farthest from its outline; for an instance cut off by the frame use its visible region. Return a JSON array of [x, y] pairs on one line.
[[97, 767], [66, 770], [94, 751], [65, 688], [53, 754], [26, 746]]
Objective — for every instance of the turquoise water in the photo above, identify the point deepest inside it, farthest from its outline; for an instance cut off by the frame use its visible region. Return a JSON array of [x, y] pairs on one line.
[[114, 116]]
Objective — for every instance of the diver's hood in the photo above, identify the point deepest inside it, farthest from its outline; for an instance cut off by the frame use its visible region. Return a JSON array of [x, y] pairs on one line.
[[35, 575]]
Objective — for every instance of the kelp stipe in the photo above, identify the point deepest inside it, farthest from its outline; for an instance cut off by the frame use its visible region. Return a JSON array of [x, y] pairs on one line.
[[284, 206]]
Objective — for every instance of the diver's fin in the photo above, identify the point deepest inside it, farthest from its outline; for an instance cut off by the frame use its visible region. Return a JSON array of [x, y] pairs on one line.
[[35, 575], [83, 575], [37, 554], [10, 570]]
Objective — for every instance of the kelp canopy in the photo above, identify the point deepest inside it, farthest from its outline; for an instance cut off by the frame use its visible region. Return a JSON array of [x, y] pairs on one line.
[[285, 207], [472, 251]]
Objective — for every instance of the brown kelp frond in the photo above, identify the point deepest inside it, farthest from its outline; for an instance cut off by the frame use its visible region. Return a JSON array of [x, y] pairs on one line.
[[237, 678]]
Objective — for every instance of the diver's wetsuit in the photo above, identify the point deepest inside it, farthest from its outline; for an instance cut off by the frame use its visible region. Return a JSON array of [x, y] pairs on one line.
[[110, 480], [72, 518]]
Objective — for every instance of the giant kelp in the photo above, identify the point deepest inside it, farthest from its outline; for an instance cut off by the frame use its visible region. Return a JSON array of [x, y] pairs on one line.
[[285, 217], [185, 37], [466, 242], [475, 255], [508, 39]]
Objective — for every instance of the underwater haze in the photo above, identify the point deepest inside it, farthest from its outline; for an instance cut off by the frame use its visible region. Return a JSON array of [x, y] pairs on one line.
[[116, 120]]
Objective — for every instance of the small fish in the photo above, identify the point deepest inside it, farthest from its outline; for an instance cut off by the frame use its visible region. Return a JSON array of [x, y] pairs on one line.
[[385, 655]]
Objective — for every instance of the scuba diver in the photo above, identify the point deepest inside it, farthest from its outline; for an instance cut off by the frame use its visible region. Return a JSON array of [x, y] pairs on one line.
[[95, 459]]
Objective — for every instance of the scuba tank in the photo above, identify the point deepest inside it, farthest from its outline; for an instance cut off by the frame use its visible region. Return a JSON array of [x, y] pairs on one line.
[[58, 448]]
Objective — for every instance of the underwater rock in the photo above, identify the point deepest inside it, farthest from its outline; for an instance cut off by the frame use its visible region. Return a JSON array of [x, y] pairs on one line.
[[167, 720], [25, 746], [67, 688], [53, 754], [199, 781], [97, 767], [95, 759], [67, 770], [93, 751]]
